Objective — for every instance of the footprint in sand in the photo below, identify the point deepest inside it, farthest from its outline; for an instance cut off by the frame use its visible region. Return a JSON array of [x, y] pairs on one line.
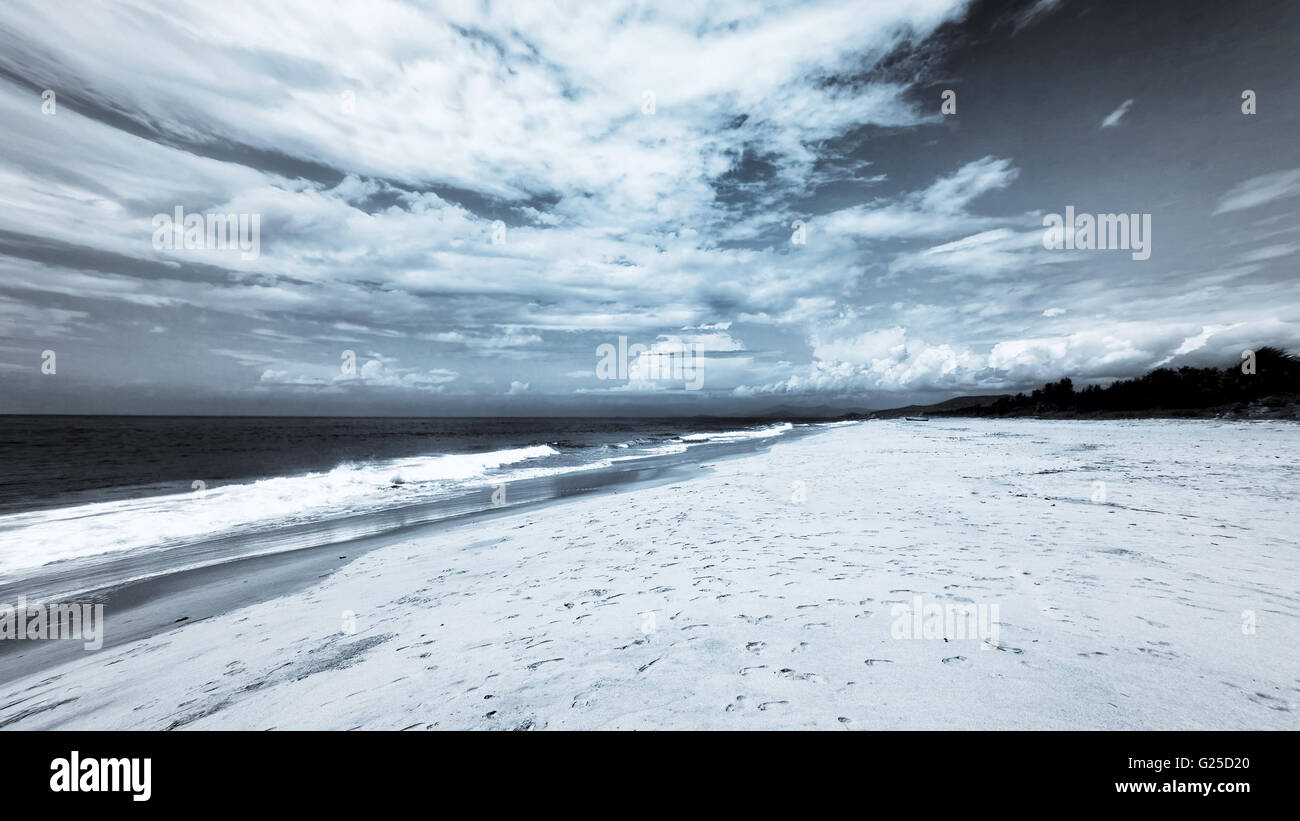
[[755, 646], [1157, 653], [766, 704], [788, 673], [1272, 703], [738, 704], [961, 660], [871, 662], [1006, 648]]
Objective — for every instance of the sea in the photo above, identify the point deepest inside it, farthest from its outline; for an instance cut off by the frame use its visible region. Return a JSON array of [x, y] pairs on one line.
[[88, 502]]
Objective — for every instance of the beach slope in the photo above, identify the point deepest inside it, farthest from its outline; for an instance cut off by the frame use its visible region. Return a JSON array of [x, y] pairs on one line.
[[1126, 575]]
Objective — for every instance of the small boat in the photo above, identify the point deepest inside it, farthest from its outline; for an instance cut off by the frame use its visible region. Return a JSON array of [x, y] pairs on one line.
[[916, 419]]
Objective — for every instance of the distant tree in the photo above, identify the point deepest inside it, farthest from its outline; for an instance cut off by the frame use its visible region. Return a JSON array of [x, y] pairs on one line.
[[1277, 374]]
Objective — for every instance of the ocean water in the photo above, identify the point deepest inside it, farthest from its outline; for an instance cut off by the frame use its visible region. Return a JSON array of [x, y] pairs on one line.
[[98, 500]]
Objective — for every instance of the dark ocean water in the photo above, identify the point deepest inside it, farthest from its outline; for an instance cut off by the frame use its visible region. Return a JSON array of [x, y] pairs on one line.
[[99, 499], [54, 461]]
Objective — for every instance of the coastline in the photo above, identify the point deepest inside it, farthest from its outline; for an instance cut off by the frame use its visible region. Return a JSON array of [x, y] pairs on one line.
[[168, 597], [774, 612]]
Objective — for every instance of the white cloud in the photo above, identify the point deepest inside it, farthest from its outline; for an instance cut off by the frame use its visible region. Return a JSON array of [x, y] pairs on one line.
[[1268, 252], [1035, 12], [1113, 118], [377, 223], [988, 253], [936, 210], [1260, 190]]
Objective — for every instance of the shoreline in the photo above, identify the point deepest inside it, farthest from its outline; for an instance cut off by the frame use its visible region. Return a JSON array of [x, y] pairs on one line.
[[725, 601], [145, 607]]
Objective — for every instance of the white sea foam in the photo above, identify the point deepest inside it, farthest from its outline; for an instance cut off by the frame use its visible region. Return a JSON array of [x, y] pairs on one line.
[[683, 443], [663, 449], [739, 435], [35, 538]]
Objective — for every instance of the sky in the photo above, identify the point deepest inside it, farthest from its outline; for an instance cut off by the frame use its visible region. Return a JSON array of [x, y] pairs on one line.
[[462, 208]]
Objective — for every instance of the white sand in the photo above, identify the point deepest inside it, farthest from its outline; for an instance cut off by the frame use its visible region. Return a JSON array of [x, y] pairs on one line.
[[1126, 613]]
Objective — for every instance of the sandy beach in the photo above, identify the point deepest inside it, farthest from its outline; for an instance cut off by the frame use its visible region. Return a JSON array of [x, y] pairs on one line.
[[1143, 575]]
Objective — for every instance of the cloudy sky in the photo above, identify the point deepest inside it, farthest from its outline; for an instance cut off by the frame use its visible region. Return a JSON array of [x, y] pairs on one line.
[[643, 165]]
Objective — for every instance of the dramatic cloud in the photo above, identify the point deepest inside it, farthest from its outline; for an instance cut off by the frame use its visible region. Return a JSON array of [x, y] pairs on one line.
[[471, 199]]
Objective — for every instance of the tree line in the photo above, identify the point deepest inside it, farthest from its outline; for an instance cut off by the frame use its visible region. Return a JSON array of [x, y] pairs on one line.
[[1275, 376]]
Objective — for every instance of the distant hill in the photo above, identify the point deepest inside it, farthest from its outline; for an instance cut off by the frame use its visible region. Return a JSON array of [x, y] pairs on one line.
[[950, 407], [818, 413]]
